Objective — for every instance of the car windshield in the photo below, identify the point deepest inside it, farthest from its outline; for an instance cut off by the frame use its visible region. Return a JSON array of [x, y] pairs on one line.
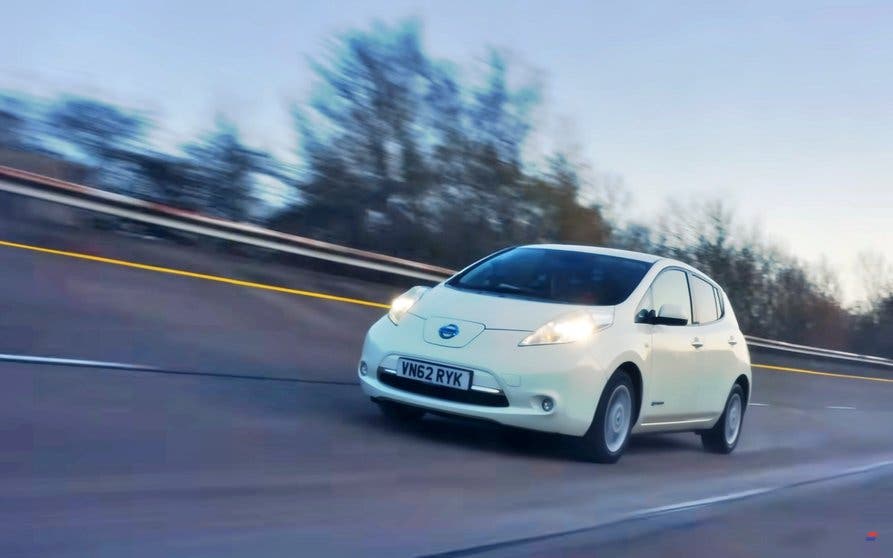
[[550, 275]]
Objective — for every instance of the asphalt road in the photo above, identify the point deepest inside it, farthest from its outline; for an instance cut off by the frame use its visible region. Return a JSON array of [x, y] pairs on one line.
[[296, 462]]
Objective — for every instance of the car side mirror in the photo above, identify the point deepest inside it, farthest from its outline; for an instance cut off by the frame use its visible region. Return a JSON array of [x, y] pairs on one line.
[[670, 314]]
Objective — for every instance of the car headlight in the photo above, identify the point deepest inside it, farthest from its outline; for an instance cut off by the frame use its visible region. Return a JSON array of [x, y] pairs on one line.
[[401, 305], [571, 327]]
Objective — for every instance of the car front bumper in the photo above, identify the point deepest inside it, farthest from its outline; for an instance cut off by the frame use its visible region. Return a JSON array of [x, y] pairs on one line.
[[509, 382]]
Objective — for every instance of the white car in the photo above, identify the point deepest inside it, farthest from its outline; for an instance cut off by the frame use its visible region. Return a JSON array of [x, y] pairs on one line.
[[588, 342]]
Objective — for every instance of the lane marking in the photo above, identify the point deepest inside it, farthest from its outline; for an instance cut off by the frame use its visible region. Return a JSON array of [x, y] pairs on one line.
[[842, 407], [193, 275], [83, 363], [758, 404], [324, 296], [828, 374], [30, 359], [659, 511], [691, 504]]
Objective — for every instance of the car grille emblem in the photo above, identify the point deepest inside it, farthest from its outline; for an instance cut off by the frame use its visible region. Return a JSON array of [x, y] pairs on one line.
[[448, 331]]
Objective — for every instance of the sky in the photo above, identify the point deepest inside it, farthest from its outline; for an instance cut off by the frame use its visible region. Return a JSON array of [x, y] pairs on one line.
[[784, 110]]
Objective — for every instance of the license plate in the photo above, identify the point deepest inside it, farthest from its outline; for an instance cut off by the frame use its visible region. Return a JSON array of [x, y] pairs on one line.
[[432, 373]]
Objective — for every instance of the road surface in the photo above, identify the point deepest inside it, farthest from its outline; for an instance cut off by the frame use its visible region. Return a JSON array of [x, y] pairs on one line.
[[274, 451]]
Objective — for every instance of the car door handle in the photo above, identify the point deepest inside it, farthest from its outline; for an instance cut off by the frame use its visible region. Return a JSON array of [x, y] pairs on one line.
[[733, 341], [696, 343]]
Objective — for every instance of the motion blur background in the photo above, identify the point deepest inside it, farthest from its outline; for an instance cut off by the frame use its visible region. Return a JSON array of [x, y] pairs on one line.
[[170, 393], [752, 143]]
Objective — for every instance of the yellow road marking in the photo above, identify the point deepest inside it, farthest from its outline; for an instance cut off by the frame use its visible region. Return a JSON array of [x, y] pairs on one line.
[[815, 373], [193, 275], [324, 296]]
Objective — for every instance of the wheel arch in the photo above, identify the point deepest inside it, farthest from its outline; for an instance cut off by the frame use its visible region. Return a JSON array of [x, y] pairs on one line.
[[744, 381], [635, 375]]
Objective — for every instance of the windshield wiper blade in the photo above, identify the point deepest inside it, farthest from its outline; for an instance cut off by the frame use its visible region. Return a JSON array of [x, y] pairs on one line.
[[515, 289]]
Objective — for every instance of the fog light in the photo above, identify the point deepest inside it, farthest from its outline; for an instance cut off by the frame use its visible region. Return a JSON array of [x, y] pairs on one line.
[[363, 368], [548, 404]]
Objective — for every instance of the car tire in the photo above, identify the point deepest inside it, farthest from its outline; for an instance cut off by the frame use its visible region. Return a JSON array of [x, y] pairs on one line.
[[400, 413], [608, 435], [724, 436]]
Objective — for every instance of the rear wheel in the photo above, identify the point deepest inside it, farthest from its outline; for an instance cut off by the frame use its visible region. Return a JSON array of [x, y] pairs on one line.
[[608, 434], [399, 412], [724, 435]]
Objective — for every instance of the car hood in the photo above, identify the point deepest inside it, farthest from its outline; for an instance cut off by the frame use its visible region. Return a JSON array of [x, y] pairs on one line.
[[493, 311]]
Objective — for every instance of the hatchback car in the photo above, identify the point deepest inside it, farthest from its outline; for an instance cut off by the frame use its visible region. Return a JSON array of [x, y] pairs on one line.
[[588, 342]]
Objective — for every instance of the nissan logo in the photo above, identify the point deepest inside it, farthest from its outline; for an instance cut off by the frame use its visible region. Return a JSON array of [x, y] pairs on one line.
[[448, 331]]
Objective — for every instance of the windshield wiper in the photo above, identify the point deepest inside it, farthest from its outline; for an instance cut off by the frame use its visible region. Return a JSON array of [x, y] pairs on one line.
[[505, 288]]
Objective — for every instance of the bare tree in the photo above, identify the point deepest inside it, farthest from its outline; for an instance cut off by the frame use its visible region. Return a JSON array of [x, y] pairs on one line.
[[876, 277]]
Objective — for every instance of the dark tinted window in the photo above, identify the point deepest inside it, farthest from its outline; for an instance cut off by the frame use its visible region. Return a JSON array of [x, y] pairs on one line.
[[670, 287], [704, 296], [564, 276]]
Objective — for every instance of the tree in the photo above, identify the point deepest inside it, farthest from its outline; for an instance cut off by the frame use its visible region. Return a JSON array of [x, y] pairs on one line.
[[366, 151], [404, 158], [773, 294], [567, 219], [873, 328], [873, 331], [876, 276], [500, 117], [13, 123], [220, 172], [95, 129]]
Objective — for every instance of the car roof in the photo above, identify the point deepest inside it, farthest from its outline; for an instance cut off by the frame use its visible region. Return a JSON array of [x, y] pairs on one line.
[[629, 254]]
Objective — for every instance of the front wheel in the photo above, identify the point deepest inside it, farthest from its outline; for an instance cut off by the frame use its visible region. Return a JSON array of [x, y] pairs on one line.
[[724, 435], [608, 434]]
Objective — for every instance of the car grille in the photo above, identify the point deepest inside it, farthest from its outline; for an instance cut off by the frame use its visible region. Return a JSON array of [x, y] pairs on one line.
[[440, 392]]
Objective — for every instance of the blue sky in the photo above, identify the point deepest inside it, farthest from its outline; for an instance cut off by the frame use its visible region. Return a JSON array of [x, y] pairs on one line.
[[784, 109]]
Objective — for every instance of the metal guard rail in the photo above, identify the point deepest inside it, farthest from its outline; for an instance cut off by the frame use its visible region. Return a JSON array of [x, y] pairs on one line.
[[76, 195]]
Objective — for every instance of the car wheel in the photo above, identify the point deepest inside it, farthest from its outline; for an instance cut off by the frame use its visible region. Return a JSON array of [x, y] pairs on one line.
[[399, 412], [608, 434], [724, 435]]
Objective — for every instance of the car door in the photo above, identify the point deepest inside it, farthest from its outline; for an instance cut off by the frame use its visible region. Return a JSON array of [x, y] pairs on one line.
[[671, 392], [717, 361], [707, 337]]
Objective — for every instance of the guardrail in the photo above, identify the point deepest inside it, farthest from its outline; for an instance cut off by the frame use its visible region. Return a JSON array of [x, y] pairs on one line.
[[815, 351], [84, 197], [76, 195]]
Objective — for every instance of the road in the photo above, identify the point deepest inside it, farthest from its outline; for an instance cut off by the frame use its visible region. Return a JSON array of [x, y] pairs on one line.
[[274, 451]]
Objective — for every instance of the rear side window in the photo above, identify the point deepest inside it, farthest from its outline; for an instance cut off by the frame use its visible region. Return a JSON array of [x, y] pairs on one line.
[[550, 275], [670, 287], [719, 303], [704, 298]]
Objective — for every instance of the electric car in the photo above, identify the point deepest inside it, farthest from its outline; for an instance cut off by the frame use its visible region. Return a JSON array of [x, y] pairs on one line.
[[588, 342]]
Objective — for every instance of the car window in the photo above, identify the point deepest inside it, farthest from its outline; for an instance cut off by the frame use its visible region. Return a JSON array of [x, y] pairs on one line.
[[565, 276], [670, 287], [719, 304], [645, 307], [704, 301]]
